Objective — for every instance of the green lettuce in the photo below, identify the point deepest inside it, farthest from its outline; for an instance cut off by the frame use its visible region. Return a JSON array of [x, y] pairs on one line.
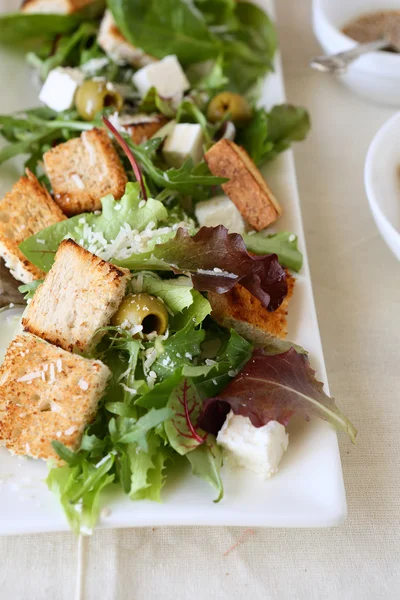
[[284, 244], [206, 462], [269, 133], [96, 231]]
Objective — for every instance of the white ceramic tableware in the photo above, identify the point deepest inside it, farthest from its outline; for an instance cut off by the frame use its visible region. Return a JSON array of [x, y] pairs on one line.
[[375, 76]]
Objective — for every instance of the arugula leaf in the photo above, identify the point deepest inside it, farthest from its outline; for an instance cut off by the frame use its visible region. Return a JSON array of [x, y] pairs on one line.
[[283, 244], [213, 80], [269, 133], [181, 429], [65, 47], [274, 388], [206, 461], [179, 349], [188, 112], [129, 431], [231, 359], [17, 27], [158, 396], [153, 102], [186, 180], [163, 27]]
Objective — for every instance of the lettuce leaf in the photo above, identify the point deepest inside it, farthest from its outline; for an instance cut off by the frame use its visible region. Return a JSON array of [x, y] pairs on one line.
[[163, 27], [269, 133], [194, 314], [274, 388], [176, 293], [181, 429], [206, 461], [217, 260], [78, 488], [96, 232], [283, 244], [147, 469]]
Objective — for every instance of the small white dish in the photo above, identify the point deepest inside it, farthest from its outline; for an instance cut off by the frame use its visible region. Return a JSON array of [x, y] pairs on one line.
[[382, 182], [376, 75]]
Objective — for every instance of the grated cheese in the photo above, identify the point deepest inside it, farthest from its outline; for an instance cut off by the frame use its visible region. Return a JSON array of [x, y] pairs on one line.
[[83, 384], [29, 376]]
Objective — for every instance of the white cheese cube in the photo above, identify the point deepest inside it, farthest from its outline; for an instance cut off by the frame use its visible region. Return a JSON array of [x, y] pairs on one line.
[[59, 88], [259, 449], [220, 211], [166, 75], [184, 141]]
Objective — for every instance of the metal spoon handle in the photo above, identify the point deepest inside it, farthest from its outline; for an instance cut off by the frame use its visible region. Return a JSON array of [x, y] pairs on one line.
[[338, 63]]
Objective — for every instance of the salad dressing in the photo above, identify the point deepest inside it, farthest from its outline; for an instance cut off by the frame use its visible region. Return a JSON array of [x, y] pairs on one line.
[[376, 25]]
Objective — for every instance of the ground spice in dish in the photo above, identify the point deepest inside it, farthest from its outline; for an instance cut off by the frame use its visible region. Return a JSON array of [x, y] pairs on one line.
[[372, 26]]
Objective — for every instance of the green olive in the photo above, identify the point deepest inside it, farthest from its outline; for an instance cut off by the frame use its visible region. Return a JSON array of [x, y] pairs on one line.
[[92, 96], [226, 103], [144, 310]]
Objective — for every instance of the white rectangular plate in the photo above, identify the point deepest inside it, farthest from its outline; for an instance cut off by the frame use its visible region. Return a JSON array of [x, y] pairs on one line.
[[308, 491]]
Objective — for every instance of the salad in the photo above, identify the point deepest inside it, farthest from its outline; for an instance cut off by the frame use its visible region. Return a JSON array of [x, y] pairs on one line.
[[157, 299]]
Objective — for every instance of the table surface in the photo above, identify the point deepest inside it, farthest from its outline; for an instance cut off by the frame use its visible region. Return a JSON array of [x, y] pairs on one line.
[[357, 292]]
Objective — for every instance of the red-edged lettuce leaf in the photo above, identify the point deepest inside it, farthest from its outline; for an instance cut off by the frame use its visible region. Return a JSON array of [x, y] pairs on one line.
[[217, 260], [274, 388], [185, 404]]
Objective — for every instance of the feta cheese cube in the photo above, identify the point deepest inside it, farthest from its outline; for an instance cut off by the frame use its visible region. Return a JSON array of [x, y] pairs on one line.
[[220, 211], [184, 141], [166, 75], [59, 88], [259, 449]]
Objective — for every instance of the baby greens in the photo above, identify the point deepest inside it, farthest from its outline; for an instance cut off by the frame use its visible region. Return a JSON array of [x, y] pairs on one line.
[[240, 33]]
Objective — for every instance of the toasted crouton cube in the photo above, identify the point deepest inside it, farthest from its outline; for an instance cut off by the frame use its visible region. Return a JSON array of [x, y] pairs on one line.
[[80, 294], [46, 394], [142, 127], [240, 310], [246, 186], [84, 170], [117, 47], [25, 210], [55, 7]]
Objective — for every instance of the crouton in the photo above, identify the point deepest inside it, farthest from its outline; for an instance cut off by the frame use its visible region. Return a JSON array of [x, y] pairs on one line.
[[240, 310], [83, 170], [80, 294], [142, 127], [46, 394], [25, 210], [117, 47], [55, 7], [246, 186]]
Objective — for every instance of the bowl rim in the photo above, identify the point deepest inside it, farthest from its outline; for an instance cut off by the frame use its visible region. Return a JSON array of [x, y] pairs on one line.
[[368, 168], [372, 62]]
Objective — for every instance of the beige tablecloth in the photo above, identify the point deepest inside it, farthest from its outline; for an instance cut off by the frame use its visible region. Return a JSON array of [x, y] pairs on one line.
[[357, 291]]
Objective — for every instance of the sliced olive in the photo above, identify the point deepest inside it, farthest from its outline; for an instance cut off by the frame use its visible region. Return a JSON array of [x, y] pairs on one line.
[[93, 96], [143, 310], [228, 103]]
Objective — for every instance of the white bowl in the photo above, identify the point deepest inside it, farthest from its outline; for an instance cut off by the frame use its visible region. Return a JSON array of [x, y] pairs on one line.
[[382, 182], [375, 75]]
